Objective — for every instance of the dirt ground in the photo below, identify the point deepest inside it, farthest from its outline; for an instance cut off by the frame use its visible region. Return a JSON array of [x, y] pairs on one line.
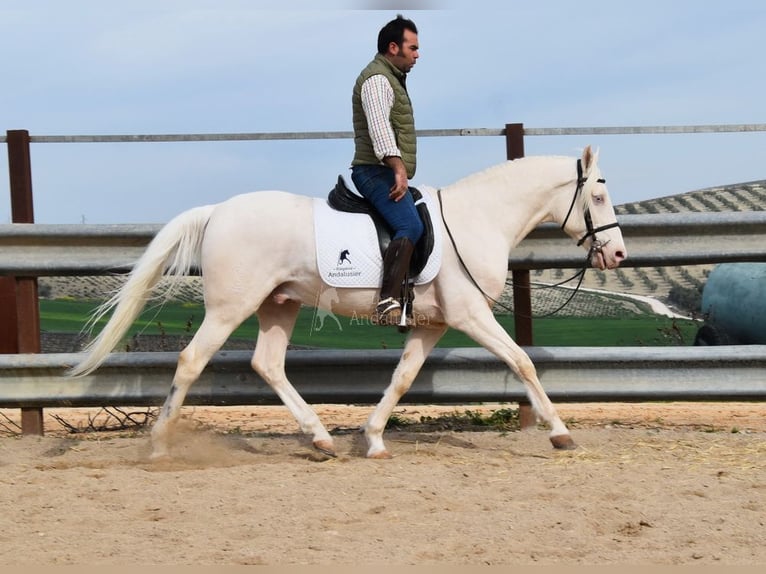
[[671, 483]]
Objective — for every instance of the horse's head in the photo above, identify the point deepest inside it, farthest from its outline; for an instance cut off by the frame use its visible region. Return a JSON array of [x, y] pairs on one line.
[[590, 218]]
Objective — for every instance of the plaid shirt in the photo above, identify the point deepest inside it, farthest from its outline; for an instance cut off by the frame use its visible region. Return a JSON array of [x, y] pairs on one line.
[[377, 101]]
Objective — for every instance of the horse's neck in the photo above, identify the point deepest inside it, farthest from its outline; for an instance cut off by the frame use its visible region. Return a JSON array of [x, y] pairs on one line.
[[511, 199]]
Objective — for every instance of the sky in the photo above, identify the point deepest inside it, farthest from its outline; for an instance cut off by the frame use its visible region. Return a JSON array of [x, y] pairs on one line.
[[234, 66]]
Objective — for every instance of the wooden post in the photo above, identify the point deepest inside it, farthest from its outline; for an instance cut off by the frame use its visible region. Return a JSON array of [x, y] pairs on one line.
[[522, 294], [514, 141], [20, 332], [9, 341]]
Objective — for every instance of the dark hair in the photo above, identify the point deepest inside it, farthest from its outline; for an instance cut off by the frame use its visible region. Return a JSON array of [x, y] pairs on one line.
[[394, 32]]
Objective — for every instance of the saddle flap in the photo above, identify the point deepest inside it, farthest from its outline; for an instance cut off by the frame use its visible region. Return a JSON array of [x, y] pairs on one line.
[[425, 244]]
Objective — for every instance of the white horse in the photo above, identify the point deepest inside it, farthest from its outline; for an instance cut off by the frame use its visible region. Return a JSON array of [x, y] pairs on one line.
[[257, 255]]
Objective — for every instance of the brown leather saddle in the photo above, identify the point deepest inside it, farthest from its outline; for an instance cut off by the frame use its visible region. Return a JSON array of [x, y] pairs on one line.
[[341, 198]]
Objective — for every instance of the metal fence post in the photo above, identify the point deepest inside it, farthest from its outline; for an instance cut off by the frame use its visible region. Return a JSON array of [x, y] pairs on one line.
[[522, 294], [21, 313]]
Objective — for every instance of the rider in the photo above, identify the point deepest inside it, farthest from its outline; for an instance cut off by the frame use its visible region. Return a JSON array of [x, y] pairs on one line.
[[385, 150]]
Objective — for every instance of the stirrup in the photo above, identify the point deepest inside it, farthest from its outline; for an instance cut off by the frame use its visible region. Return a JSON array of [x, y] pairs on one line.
[[387, 312], [385, 306]]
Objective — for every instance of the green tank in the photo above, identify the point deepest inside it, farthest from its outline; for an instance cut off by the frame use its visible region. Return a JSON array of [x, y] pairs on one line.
[[734, 305]]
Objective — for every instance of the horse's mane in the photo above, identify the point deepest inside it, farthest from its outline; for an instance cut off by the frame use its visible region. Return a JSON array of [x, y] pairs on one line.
[[507, 167], [531, 165]]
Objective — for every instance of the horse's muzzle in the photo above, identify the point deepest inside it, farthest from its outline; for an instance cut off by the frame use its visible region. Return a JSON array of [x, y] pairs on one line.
[[604, 258]]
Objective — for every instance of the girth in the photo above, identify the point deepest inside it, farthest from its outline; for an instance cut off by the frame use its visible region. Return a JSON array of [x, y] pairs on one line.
[[341, 198]]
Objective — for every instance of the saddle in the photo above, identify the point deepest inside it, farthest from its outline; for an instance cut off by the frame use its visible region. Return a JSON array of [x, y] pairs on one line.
[[341, 198]]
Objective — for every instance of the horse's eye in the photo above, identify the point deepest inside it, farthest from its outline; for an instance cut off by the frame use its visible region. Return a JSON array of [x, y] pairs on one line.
[[598, 199]]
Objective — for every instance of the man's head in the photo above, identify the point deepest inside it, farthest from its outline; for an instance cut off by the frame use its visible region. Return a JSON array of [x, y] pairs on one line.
[[398, 42]]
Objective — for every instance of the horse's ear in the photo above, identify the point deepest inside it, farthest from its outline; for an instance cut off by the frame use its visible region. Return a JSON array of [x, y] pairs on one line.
[[589, 158]]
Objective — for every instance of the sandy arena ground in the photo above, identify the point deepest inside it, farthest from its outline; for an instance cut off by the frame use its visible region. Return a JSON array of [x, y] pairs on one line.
[[671, 484]]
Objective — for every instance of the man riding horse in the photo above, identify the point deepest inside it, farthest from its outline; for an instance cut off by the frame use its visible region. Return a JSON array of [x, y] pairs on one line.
[[385, 150]]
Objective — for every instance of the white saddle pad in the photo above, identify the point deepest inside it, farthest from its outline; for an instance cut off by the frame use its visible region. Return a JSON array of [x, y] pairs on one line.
[[348, 254]]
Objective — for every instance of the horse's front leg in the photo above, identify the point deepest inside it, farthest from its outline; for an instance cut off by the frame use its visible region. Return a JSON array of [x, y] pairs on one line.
[[419, 344], [483, 328]]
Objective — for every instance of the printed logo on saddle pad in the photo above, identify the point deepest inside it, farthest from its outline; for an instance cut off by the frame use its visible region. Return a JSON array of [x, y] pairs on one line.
[[348, 250]]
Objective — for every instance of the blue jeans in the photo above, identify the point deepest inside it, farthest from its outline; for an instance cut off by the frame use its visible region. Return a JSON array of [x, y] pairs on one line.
[[374, 182]]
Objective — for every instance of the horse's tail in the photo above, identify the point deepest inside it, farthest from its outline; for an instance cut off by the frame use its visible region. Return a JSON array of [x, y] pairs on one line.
[[175, 250]]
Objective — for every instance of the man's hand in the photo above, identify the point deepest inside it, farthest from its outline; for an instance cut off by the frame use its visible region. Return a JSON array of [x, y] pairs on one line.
[[401, 183]]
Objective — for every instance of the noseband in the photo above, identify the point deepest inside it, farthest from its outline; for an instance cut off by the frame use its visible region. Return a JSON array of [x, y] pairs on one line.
[[591, 232]]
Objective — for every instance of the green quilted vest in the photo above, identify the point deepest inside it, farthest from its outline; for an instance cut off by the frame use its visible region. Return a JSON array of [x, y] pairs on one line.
[[402, 118]]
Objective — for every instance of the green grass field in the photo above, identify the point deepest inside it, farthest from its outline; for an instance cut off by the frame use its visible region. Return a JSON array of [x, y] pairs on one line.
[[69, 316]]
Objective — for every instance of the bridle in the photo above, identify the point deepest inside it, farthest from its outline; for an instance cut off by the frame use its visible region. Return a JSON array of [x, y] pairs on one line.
[[596, 245]]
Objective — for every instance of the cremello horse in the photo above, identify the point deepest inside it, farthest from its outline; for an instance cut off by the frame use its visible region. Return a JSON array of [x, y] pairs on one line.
[[257, 254]]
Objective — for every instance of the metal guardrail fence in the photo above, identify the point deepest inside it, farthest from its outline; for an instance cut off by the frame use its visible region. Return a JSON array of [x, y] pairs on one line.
[[453, 375], [29, 380], [653, 240], [460, 376]]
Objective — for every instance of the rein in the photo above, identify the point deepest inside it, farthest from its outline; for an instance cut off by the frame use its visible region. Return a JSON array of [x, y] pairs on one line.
[[590, 232]]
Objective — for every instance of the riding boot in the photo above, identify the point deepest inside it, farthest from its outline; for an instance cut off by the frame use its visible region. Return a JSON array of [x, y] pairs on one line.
[[396, 263]]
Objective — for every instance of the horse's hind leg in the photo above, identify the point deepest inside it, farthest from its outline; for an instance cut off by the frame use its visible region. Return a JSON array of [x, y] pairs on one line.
[[211, 335], [419, 344], [276, 323]]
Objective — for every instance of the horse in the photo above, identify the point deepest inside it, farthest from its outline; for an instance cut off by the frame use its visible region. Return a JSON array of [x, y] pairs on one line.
[[257, 255]]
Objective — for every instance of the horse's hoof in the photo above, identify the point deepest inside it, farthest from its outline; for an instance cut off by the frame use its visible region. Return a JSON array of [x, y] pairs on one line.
[[325, 447], [563, 442], [380, 455]]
